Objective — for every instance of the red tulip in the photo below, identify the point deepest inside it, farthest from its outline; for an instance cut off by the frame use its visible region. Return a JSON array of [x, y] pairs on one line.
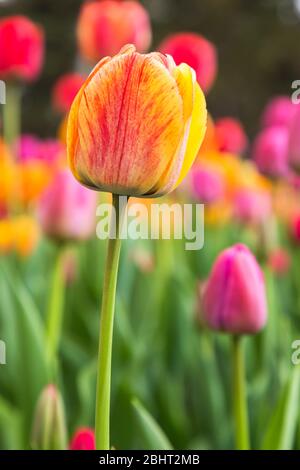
[[65, 90], [234, 298], [279, 261], [21, 50], [105, 27], [83, 439], [295, 227], [230, 135], [197, 52]]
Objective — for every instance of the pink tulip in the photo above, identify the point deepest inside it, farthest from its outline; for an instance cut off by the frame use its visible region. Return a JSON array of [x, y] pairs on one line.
[[67, 210], [294, 142], [270, 151], [21, 49], [278, 112], [230, 135], [29, 147], [251, 205], [83, 439], [234, 299], [197, 52], [207, 184]]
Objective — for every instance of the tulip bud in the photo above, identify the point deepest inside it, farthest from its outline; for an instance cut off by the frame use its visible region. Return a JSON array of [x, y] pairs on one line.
[[67, 211], [270, 151], [65, 90], [136, 125], [83, 439], [22, 48], [230, 135], [197, 52], [49, 428], [278, 112], [104, 27], [234, 299]]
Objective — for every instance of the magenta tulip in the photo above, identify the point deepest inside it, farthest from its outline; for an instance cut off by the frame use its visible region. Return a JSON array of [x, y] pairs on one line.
[[67, 210], [207, 184], [278, 112], [234, 298], [270, 151], [294, 142]]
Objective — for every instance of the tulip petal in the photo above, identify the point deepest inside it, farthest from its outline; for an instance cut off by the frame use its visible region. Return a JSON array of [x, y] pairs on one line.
[[197, 133]]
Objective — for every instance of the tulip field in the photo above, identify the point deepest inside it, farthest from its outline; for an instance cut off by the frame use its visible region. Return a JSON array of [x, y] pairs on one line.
[[150, 245]]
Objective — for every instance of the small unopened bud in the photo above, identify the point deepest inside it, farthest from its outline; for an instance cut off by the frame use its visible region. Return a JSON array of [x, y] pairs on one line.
[[83, 439], [49, 428]]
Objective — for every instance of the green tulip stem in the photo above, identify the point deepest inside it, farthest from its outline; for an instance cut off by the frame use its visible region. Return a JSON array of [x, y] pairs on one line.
[[102, 418], [240, 408], [12, 113], [55, 308]]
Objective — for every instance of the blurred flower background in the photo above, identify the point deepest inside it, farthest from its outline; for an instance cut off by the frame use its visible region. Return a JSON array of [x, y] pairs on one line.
[[206, 361]]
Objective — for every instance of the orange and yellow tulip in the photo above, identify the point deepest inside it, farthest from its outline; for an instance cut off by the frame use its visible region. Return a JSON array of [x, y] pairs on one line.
[[136, 125]]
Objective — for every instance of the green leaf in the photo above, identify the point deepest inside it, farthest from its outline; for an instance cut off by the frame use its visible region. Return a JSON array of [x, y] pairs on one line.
[[28, 363], [281, 432], [153, 436]]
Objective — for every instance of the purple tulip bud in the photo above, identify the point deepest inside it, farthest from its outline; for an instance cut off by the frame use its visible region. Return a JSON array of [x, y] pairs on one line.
[[234, 298]]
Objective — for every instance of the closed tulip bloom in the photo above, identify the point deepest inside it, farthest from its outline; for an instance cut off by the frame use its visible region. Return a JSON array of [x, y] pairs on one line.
[[136, 125], [234, 298], [22, 48], [197, 52], [230, 135], [83, 439], [65, 90], [251, 205], [294, 142], [278, 112], [270, 151], [207, 184], [49, 425], [67, 210], [104, 27]]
